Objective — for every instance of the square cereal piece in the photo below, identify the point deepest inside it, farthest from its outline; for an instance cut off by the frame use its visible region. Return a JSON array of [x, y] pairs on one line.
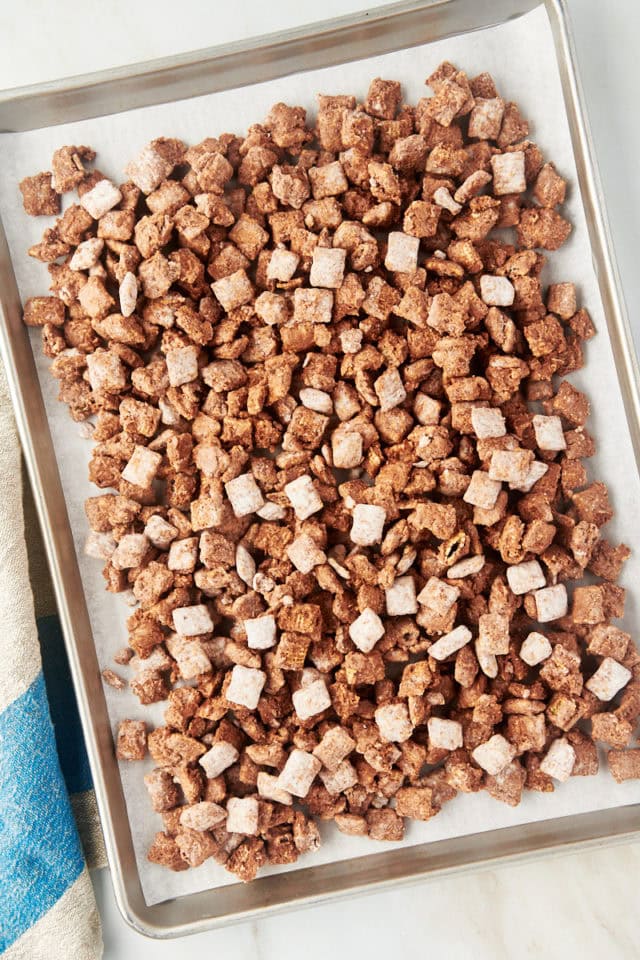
[[609, 679], [334, 747], [383, 98], [537, 470], [493, 633], [305, 554], [366, 630], [189, 655], [485, 119], [183, 555], [524, 577], [438, 596], [233, 291], [347, 448], [390, 389], [624, 764], [311, 700], [561, 300], [298, 773], [244, 495], [268, 789], [130, 552], [312, 306], [402, 252], [508, 173], [148, 169], [494, 755], [100, 199], [39, 311], [487, 422], [160, 532], [535, 648], [482, 490], [400, 597], [282, 265], [496, 291], [559, 760], [327, 268], [202, 816], [549, 434], [392, 720], [242, 815], [142, 467], [341, 779], [450, 643], [444, 734], [328, 180], [38, 196], [261, 632], [192, 621], [368, 523], [551, 603], [303, 497], [182, 365], [220, 756], [510, 466], [131, 742], [246, 686], [611, 729]]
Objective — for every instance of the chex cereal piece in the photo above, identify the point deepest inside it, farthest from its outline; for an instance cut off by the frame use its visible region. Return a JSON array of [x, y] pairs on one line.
[[390, 390], [524, 577], [192, 621], [494, 755], [298, 773], [549, 434], [342, 778], [392, 720], [609, 679], [624, 764], [368, 523], [242, 815], [466, 568], [245, 495], [366, 630], [148, 169], [508, 173], [282, 265], [100, 199], [182, 365], [347, 448], [510, 466], [246, 686], [535, 648], [450, 643], [402, 252], [496, 291], [400, 597], [559, 760], [261, 632], [303, 497], [310, 700], [312, 306], [305, 554], [203, 816], [482, 491], [267, 785], [189, 655], [537, 470], [493, 633], [327, 267], [552, 603], [183, 555], [438, 596], [335, 745], [485, 120], [561, 299], [142, 467], [487, 422], [316, 400], [444, 734], [160, 532], [130, 552], [131, 742], [220, 755], [233, 290]]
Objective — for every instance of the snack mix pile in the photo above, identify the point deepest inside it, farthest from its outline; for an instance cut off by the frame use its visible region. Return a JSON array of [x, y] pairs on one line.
[[348, 501]]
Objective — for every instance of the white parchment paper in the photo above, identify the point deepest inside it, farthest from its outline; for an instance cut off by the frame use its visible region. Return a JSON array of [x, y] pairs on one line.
[[521, 57]]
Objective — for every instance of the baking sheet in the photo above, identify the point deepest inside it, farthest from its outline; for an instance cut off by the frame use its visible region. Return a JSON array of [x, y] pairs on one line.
[[521, 56]]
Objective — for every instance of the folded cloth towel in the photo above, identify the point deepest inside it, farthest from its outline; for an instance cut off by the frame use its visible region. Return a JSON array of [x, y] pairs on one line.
[[47, 907]]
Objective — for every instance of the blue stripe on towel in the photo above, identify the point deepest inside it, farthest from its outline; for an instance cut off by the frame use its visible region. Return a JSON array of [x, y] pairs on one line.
[[63, 707], [40, 853]]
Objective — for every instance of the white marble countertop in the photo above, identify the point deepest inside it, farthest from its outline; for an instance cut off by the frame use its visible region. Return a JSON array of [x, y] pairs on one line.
[[584, 905]]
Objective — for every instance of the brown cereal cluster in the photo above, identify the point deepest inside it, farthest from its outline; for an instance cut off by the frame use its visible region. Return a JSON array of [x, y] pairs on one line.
[[343, 475]]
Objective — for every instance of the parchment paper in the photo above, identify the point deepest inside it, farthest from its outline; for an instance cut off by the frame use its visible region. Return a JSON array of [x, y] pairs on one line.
[[521, 57]]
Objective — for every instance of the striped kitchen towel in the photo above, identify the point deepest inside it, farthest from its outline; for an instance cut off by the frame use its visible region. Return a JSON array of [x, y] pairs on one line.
[[47, 907]]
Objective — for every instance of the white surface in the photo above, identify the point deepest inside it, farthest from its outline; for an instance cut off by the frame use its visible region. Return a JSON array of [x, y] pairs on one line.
[[521, 59], [579, 905]]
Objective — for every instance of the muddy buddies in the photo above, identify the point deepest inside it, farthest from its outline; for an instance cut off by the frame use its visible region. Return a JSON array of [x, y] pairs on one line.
[[344, 481]]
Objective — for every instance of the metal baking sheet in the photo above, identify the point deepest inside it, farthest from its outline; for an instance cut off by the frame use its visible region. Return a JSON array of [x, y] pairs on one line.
[[391, 29]]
